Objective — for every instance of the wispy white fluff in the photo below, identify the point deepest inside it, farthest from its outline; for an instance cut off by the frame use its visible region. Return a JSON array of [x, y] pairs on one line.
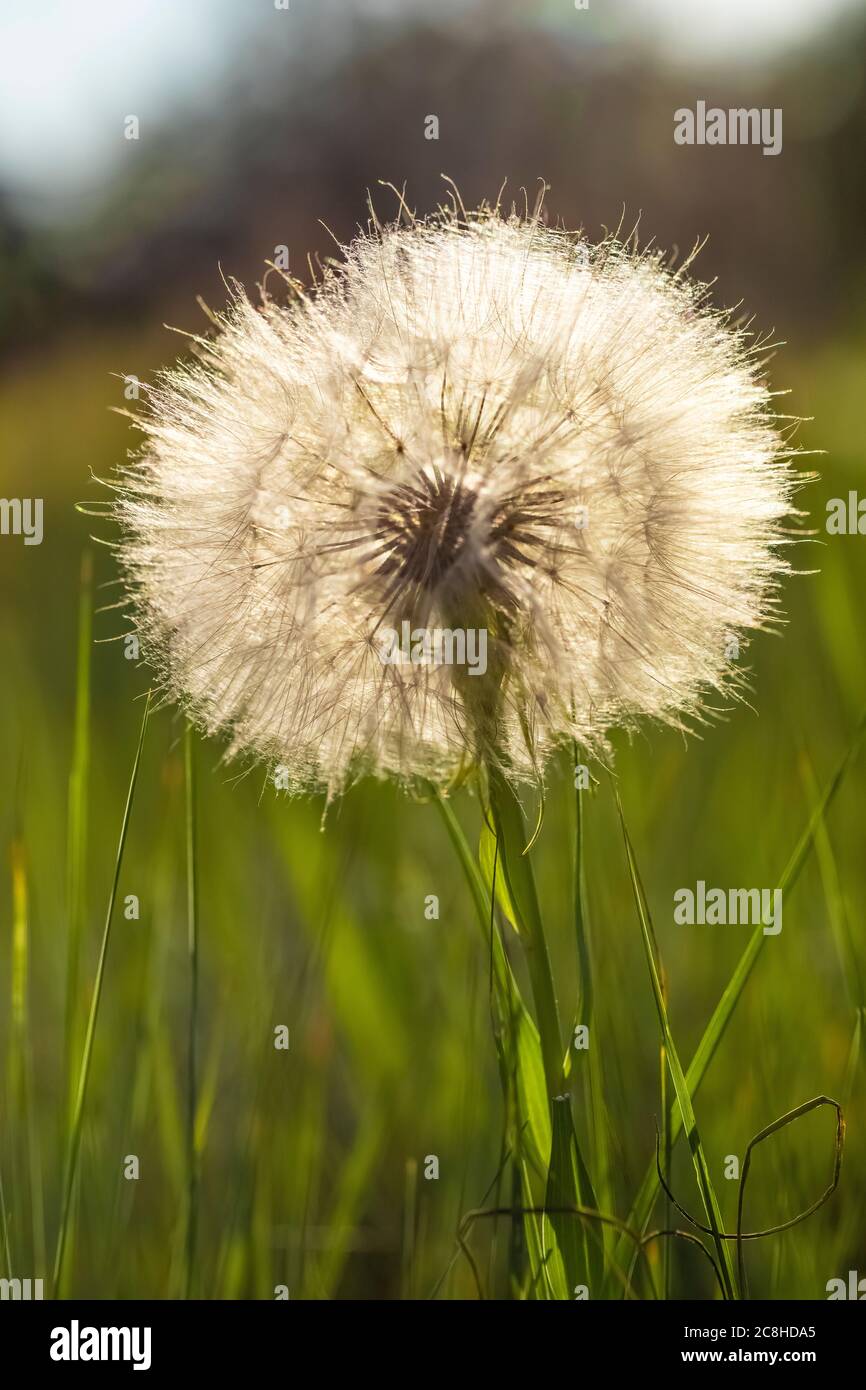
[[474, 420]]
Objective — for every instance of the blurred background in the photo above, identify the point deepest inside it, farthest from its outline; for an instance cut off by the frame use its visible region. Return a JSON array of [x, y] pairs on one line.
[[258, 128]]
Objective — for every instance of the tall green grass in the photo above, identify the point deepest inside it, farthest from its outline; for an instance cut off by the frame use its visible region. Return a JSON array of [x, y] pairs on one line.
[[304, 1170]]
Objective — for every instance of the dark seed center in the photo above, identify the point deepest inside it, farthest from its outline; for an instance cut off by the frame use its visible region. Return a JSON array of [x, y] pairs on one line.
[[423, 528]]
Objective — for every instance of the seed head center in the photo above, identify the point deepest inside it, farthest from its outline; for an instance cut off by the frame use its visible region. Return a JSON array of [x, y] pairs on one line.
[[425, 527]]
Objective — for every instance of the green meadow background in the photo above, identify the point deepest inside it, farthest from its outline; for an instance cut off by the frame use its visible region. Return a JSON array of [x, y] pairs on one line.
[[305, 1167]]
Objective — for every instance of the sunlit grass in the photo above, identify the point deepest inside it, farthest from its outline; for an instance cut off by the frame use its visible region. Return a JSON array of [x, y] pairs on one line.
[[304, 1169]]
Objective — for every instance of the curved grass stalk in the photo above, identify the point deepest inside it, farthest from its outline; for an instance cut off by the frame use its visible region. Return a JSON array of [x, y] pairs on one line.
[[74, 1144], [642, 1206], [702, 1172]]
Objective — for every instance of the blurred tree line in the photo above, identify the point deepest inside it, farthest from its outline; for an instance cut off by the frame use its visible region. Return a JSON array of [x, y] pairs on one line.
[[293, 141]]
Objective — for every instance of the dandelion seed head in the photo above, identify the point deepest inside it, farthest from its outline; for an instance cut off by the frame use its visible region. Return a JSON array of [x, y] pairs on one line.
[[473, 421]]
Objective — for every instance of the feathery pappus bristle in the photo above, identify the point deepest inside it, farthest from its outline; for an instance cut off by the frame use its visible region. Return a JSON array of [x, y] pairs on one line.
[[485, 488]]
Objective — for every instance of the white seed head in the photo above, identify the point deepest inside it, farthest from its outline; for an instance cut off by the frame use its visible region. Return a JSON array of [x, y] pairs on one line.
[[474, 421]]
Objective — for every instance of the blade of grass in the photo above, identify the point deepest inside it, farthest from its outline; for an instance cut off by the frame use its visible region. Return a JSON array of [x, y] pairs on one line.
[[74, 1146], [516, 869], [516, 1038], [192, 952], [568, 1180], [20, 1074], [790, 1116], [76, 849], [526, 1115], [539, 1076], [591, 1066], [644, 1201], [347, 1206], [705, 1186], [667, 1150], [4, 1222], [843, 940], [806, 1108], [855, 1055], [530, 1069], [410, 1229], [840, 927]]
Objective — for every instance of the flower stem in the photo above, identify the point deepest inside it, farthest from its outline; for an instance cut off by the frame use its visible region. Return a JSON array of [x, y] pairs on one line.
[[511, 834]]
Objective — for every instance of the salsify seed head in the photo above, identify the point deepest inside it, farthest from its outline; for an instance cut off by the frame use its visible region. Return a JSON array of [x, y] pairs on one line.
[[474, 424]]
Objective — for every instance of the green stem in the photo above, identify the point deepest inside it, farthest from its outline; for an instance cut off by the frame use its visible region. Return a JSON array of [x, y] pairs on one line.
[[568, 1180], [483, 701], [511, 834]]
